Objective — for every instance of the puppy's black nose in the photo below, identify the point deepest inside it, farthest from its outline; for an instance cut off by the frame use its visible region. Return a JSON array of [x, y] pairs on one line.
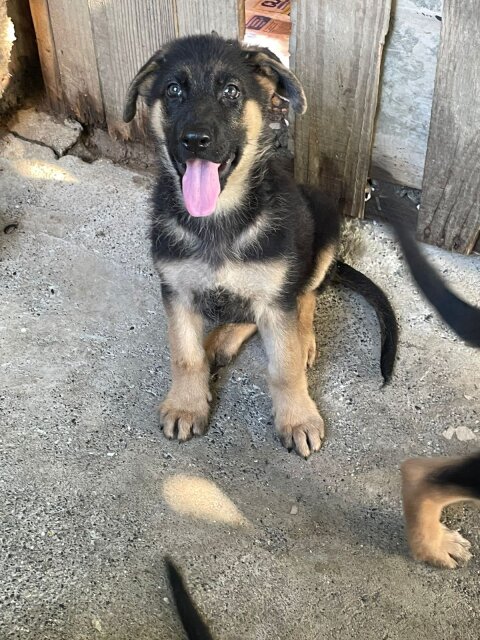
[[196, 139]]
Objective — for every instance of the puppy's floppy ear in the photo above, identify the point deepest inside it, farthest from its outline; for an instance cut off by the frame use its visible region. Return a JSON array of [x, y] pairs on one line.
[[141, 84], [285, 83]]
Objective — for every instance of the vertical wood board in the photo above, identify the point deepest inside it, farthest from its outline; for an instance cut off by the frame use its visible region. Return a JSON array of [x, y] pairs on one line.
[[72, 34], [337, 57], [450, 208], [203, 16], [125, 35], [47, 53]]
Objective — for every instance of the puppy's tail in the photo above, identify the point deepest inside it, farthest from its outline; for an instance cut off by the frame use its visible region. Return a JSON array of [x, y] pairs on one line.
[[356, 281], [192, 621], [463, 318]]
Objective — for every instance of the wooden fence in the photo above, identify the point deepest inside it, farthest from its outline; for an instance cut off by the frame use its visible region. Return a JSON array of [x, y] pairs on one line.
[[90, 49], [450, 211]]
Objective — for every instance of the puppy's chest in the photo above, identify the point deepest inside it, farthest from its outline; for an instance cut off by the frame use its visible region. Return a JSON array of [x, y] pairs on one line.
[[252, 281]]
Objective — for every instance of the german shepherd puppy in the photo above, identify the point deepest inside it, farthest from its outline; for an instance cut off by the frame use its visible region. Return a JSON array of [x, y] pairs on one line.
[[234, 239], [430, 484]]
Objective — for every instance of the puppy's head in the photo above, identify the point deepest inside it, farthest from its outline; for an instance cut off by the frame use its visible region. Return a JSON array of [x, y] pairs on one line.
[[208, 98]]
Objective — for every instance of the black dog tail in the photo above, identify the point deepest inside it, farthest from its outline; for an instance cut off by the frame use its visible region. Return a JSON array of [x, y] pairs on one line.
[[356, 281], [192, 621], [463, 318]]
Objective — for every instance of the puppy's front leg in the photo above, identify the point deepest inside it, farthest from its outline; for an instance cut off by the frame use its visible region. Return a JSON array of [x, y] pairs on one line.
[[296, 416], [423, 501], [184, 412]]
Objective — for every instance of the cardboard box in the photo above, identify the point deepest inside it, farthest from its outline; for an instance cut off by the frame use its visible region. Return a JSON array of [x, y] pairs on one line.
[[264, 25], [276, 9]]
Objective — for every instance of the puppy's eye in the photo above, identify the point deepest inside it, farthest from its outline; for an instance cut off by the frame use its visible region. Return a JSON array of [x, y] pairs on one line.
[[174, 90], [231, 92]]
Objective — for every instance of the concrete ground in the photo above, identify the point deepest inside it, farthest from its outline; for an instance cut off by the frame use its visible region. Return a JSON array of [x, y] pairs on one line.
[[93, 496]]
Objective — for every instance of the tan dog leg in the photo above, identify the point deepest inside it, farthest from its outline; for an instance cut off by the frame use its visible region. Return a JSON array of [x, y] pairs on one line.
[[306, 310], [423, 502], [184, 412], [223, 343], [296, 417]]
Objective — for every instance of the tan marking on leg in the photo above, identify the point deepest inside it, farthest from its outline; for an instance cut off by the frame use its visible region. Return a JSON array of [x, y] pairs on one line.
[[296, 417], [187, 403], [423, 502], [306, 303], [223, 343], [323, 262]]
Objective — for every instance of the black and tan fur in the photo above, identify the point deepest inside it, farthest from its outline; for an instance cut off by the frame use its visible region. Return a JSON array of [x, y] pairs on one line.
[[257, 260], [430, 484]]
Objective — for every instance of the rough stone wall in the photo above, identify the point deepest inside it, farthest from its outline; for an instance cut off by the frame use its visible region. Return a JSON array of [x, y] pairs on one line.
[[20, 74], [6, 44]]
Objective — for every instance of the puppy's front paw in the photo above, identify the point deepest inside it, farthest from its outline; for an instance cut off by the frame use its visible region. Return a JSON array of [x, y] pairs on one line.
[[305, 435], [447, 549], [184, 419]]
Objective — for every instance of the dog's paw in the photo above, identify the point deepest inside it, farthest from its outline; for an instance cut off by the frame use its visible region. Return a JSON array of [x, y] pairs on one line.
[[184, 420], [447, 550], [306, 436]]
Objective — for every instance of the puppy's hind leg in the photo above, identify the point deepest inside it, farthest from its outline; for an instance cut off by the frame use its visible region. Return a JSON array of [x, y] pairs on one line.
[[306, 310], [223, 343], [306, 303]]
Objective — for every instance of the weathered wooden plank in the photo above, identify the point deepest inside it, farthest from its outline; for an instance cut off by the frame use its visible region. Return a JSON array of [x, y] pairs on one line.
[[241, 19], [47, 53], [72, 35], [337, 54], [125, 35], [450, 208], [405, 100], [203, 16]]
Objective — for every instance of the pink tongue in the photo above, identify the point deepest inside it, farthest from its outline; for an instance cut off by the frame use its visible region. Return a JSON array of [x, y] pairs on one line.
[[201, 187]]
